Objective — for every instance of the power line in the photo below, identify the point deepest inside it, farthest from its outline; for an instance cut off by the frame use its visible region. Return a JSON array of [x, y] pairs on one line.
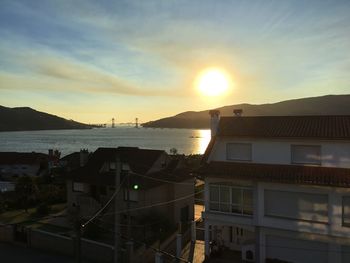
[[161, 180], [107, 203], [153, 205]]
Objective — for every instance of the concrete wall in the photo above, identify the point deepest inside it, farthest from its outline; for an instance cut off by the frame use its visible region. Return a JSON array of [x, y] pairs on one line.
[[91, 250], [273, 151], [181, 190], [296, 250], [51, 242], [20, 169]]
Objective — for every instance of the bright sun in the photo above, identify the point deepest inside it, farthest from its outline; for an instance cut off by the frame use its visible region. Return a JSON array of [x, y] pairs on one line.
[[213, 82]]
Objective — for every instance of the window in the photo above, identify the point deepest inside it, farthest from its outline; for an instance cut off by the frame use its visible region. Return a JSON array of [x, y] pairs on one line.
[[239, 151], [296, 205], [346, 211], [306, 154], [78, 187], [231, 199], [214, 198], [112, 166], [133, 195]]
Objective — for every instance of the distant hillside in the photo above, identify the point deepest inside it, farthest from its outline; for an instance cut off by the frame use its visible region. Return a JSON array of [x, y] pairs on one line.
[[26, 119], [325, 105]]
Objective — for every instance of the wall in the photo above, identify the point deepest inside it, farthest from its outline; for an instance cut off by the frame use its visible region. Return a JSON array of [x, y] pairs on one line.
[[6, 233], [296, 250], [181, 190], [51, 242], [7, 186], [91, 250], [20, 169], [273, 151]]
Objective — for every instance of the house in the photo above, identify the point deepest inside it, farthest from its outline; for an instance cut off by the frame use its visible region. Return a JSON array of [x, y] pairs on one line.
[[147, 183], [16, 164], [278, 187]]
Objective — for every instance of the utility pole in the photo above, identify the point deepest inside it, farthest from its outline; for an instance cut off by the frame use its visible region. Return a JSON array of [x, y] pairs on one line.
[[118, 169], [77, 229], [128, 207], [129, 243]]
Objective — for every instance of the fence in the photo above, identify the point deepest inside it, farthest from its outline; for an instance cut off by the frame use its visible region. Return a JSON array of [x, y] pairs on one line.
[[91, 250]]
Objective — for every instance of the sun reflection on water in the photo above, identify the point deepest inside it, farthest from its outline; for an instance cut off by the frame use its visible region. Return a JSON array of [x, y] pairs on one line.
[[203, 137]]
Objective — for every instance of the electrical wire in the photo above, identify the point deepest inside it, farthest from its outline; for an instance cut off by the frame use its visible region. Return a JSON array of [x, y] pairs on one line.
[[162, 180], [153, 205], [107, 203]]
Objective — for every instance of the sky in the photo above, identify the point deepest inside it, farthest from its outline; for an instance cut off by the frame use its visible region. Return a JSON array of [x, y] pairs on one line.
[[92, 61]]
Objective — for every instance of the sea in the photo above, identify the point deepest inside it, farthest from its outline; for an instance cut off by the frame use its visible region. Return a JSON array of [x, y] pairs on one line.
[[185, 141]]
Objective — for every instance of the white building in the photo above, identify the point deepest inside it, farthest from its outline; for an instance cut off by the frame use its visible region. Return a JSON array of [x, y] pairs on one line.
[[279, 188]]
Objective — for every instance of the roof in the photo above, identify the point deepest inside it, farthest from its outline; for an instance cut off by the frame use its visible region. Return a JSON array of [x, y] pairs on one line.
[[310, 127], [12, 158], [293, 174], [172, 173], [139, 160]]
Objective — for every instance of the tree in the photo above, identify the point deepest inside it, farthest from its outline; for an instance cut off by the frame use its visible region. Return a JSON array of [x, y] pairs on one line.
[[173, 151], [25, 190]]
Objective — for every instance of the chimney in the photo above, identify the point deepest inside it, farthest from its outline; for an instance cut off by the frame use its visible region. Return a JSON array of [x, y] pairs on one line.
[[84, 156], [214, 121], [238, 112]]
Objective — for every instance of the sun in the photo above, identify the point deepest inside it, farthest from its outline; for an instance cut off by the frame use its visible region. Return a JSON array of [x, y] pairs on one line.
[[213, 82]]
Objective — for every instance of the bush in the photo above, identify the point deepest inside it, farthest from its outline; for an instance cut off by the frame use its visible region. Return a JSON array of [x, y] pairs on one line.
[[43, 209]]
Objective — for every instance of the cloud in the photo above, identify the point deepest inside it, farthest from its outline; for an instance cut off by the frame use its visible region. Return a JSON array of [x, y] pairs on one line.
[[51, 71]]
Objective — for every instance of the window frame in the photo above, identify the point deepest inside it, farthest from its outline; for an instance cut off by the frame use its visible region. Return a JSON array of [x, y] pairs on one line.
[[241, 207], [240, 159], [74, 189], [292, 154]]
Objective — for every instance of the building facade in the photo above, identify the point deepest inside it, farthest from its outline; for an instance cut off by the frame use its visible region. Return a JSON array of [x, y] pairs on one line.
[[142, 178], [279, 188]]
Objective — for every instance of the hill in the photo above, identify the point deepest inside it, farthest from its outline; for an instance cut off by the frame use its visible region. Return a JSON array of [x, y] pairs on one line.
[[325, 105], [27, 119]]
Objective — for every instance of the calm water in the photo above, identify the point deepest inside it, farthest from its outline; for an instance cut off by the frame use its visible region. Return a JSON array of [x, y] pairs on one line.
[[67, 141]]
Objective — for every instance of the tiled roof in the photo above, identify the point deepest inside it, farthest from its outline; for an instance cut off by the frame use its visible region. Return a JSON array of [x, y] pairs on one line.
[[172, 173], [293, 174], [11, 158], [311, 127], [139, 160]]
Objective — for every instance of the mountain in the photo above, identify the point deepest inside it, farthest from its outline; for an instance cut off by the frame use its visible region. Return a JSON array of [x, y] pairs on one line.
[[325, 105], [26, 119]]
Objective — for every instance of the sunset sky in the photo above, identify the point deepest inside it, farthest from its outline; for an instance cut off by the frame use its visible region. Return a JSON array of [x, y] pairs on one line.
[[94, 60]]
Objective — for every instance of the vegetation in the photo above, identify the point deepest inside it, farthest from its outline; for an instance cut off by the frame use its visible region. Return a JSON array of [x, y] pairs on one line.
[[25, 119], [16, 216]]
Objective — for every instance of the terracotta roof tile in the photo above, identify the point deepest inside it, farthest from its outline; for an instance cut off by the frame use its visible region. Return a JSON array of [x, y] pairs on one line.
[[293, 174], [315, 127]]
